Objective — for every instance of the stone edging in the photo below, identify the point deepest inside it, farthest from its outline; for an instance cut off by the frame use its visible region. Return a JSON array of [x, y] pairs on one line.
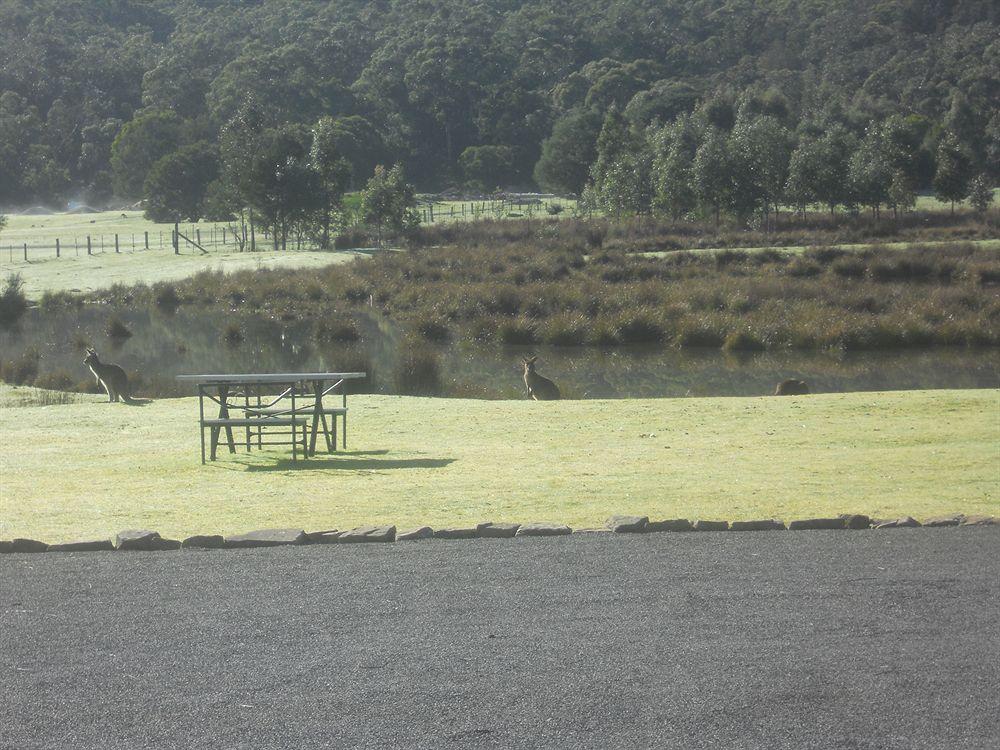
[[151, 541]]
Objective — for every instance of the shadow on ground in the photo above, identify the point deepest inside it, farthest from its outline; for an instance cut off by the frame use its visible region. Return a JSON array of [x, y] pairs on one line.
[[350, 461]]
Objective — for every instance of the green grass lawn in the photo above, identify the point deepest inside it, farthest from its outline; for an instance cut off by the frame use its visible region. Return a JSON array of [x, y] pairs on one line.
[[89, 468]]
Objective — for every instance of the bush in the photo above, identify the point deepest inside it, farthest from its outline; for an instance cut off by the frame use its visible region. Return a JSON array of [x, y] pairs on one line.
[[434, 330], [418, 373], [742, 341], [165, 297], [693, 335], [116, 329], [232, 335], [56, 381], [337, 330], [638, 329], [13, 302], [21, 371], [517, 332]]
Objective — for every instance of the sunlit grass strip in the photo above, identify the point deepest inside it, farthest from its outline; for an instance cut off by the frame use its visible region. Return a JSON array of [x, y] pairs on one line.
[[91, 469]]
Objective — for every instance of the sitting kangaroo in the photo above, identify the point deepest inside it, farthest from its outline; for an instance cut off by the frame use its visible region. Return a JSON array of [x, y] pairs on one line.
[[540, 388], [110, 377], [791, 387]]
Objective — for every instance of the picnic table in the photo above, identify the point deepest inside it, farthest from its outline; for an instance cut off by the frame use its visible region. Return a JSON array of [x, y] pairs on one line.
[[298, 403]]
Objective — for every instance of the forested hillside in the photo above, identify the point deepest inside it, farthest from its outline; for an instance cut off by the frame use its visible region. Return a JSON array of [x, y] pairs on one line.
[[94, 93]]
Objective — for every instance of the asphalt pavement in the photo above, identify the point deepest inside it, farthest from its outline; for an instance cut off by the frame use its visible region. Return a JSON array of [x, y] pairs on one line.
[[849, 639]]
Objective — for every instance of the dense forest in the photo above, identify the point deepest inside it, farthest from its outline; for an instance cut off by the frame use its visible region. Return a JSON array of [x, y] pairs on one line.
[[98, 96]]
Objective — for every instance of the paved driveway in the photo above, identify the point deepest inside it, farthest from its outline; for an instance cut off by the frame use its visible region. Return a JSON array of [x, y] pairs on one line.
[[881, 639]]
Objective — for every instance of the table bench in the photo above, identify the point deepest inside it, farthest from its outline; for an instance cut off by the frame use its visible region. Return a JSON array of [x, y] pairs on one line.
[[246, 393], [257, 425]]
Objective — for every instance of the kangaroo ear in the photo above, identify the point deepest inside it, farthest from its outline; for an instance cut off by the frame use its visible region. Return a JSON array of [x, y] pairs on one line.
[[532, 360]]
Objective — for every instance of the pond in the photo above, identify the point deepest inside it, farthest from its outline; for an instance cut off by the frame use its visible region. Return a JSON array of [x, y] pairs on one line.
[[163, 345]]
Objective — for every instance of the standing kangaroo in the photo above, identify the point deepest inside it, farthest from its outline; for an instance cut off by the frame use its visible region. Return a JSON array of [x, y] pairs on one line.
[[540, 388], [111, 377]]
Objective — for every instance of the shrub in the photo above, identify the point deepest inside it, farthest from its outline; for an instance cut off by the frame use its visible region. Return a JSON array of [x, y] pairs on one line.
[[638, 329], [418, 373], [337, 330], [696, 334], [565, 330], [56, 381], [116, 329], [849, 268], [517, 332], [23, 370], [232, 334], [434, 330], [742, 341], [13, 302], [165, 296]]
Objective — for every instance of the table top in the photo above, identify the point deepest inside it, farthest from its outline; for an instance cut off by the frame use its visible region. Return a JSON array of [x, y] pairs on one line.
[[271, 377]]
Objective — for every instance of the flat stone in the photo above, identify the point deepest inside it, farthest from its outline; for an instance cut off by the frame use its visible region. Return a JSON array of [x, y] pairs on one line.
[[604, 530], [543, 529], [204, 541], [367, 534], [85, 545], [628, 524], [457, 532], [266, 538], [980, 521], [856, 521], [136, 539], [165, 545], [816, 524], [769, 524], [702, 525], [899, 523], [6, 547], [952, 520], [412, 535], [498, 530], [320, 537], [672, 524], [27, 545]]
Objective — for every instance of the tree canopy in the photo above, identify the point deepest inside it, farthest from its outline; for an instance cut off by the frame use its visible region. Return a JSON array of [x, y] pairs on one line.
[[93, 95]]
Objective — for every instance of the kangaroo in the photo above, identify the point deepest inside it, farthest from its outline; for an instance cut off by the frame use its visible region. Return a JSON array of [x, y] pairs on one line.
[[110, 377], [791, 387], [540, 388]]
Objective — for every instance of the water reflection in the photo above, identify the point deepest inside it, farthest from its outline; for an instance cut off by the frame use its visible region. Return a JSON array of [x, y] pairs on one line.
[[165, 344]]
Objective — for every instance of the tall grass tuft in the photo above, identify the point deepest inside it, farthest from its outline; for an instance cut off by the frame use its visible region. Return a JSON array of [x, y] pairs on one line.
[[13, 302]]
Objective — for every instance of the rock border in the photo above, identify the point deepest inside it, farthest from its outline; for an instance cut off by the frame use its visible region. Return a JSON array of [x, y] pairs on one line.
[[141, 540]]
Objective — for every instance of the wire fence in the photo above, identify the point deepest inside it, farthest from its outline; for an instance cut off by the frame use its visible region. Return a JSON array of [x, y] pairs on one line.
[[209, 238]]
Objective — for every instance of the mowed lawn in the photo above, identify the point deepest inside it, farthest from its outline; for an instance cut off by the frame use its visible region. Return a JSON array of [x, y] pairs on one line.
[[89, 469]]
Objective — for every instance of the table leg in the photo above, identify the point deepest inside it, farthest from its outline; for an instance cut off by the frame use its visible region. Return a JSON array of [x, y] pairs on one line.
[[224, 414], [201, 419], [317, 413]]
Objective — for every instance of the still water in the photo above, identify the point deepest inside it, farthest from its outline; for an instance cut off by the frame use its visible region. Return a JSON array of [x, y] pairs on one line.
[[163, 345]]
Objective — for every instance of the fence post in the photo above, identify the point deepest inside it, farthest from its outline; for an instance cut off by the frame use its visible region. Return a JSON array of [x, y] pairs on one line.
[[432, 213], [26, 251], [116, 242], [197, 235], [88, 245], [57, 247], [177, 239], [223, 235], [146, 236]]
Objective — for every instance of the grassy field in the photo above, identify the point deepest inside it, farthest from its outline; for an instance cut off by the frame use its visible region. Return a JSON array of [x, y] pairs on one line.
[[88, 468], [90, 273]]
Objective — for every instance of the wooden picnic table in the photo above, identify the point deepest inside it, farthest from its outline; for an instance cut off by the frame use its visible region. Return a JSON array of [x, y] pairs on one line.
[[262, 410]]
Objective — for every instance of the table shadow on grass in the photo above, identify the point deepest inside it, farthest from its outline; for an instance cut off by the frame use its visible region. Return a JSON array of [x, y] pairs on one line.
[[348, 461]]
